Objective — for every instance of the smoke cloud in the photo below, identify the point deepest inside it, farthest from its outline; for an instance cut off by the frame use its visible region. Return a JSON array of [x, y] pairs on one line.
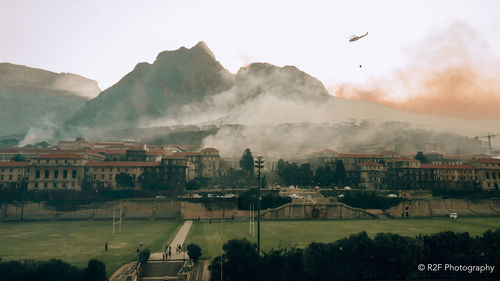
[[453, 73]]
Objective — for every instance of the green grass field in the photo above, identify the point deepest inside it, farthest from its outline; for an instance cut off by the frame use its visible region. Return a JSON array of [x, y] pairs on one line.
[[300, 233], [78, 241]]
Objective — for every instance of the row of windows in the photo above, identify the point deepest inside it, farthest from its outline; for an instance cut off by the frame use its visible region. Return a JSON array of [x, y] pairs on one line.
[[56, 161], [2, 177], [56, 174], [54, 185], [493, 175]]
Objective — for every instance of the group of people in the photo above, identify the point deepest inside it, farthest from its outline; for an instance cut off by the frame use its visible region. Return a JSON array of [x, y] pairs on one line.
[[168, 251]]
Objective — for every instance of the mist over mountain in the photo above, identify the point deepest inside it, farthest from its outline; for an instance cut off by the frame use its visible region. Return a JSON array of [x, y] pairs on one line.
[[31, 97], [149, 91], [187, 96]]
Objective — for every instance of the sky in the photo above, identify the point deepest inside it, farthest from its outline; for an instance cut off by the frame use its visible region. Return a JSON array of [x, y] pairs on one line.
[[104, 40]]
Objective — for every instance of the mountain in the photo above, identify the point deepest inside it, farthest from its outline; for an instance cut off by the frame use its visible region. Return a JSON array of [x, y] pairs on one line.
[[186, 96], [31, 97], [150, 91]]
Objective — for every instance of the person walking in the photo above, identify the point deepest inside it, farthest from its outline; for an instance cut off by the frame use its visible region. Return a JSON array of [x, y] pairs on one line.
[[106, 246]]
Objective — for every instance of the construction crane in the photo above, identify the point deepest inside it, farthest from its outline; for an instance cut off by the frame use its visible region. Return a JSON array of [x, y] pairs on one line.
[[489, 136]]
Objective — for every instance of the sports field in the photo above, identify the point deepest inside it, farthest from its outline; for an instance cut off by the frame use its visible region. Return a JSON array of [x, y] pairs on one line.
[[78, 241], [300, 233]]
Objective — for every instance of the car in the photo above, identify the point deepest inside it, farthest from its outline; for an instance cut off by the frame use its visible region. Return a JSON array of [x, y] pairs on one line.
[[392, 195], [453, 215], [347, 188], [160, 197], [196, 195]]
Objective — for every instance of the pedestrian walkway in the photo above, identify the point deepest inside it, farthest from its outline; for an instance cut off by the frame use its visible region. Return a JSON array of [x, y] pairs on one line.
[[179, 239]]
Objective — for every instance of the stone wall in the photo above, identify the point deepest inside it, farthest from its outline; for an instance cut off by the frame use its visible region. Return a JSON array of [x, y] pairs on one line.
[[315, 211], [442, 207], [131, 209]]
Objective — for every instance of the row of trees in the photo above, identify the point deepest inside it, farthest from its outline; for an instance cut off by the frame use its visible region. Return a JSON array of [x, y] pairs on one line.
[[303, 175], [267, 200], [385, 257], [53, 270]]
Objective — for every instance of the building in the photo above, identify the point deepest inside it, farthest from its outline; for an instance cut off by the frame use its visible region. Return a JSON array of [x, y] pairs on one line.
[[210, 162], [102, 174], [13, 174], [488, 172], [57, 171], [372, 175]]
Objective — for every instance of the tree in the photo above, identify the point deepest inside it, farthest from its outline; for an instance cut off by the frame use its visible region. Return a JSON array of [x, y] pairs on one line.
[[305, 175], [340, 174], [263, 182], [421, 157], [95, 271], [125, 180], [194, 252], [18, 158], [144, 256], [246, 161]]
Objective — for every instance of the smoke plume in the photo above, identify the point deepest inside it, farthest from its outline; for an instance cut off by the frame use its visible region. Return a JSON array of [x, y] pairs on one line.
[[452, 73]]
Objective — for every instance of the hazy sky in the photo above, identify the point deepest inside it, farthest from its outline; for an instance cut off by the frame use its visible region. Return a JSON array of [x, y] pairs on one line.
[[104, 40]]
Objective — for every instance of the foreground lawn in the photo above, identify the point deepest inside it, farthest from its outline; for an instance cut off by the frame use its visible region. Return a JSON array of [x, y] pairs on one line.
[[302, 232], [78, 241]]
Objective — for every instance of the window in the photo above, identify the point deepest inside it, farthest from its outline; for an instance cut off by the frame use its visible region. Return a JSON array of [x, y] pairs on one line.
[[65, 174], [72, 184], [36, 185], [57, 161], [64, 185], [56, 174], [54, 185], [10, 170], [102, 177], [10, 177], [1, 177], [494, 176], [73, 174], [45, 185], [103, 169], [487, 175], [46, 174], [65, 161]]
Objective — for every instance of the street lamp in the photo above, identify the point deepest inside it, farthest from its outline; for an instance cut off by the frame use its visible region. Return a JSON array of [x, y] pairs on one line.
[[259, 163]]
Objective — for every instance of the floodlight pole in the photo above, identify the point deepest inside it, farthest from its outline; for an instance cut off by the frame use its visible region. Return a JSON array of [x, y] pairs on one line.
[[258, 164]]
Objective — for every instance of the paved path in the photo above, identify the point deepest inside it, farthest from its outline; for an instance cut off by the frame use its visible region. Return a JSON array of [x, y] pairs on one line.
[[178, 240]]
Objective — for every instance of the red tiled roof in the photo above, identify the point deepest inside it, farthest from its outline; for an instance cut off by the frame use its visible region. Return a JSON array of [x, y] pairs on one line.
[[122, 164], [487, 160], [15, 164], [174, 157], [136, 148], [443, 166], [357, 155], [389, 152], [402, 159], [210, 149], [112, 151], [59, 156], [183, 153]]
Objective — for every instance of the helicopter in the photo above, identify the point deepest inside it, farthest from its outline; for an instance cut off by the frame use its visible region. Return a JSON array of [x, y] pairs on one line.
[[355, 38]]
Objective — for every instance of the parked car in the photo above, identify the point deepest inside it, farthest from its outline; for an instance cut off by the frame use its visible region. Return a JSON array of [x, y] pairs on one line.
[[453, 215]]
